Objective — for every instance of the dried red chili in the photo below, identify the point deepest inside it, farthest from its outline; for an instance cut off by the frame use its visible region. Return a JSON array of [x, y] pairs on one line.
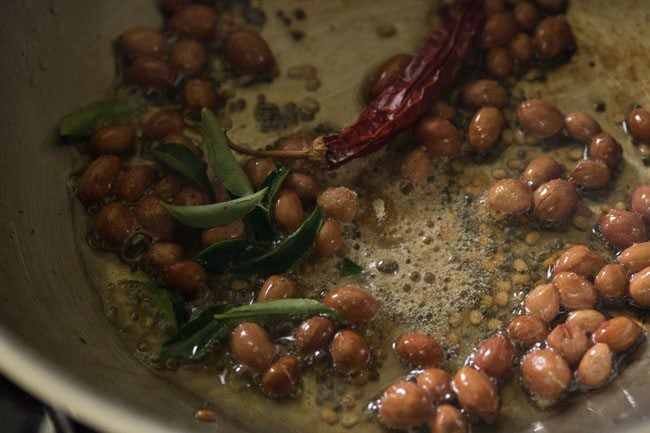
[[402, 103]]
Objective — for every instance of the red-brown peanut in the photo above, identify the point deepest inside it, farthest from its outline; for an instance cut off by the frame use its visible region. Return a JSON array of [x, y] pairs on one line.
[[576, 292], [354, 304], [251, 346], [185, 276], [314, 334], [419, 349], [436, 382], [546, 375], [438, 136], [540, 117], [404, 405], [622, 228], [579, 259], [619, 333], [277, 287], [595, 366], [476, 394], [612, 281], [570, 342], [339, 203], [484, 129], [541, 170], [554, 200], [543, 302], [282, 377], [527, 330], [510, 196], [640, 288], [494, 357], [350, 352], [636, 257], [585, 320], [98, 180]]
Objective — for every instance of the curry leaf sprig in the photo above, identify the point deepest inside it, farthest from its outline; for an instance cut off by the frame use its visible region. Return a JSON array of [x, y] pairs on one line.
[[198, 336], [83, 122]]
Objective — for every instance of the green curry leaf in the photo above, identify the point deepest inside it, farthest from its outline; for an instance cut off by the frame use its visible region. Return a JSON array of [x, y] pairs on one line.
[[278, 307], [168, 302], [217, 214], [348, 268], [83, 122], [221, 255], [184, 161], [221, 159], [288, 252]]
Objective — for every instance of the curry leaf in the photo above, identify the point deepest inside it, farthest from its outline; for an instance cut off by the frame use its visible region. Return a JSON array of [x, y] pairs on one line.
[[83, 122], [197, 337], [168, 302], [288, 252], [278, 307], [184, 161], [260, 220], [220, 255], [221, 159], [217, 214], [193, 340], [348, 268], [273, 182]]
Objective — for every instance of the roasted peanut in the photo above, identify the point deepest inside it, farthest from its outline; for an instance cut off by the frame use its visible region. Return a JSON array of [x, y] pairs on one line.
[[257, 169], [98, 180], [168, 187], [419, 349], [636, 257], [233, 230], [585, 320], [591, 174], [416, 166], [638, 124], [640, 201], [288, 213], [191, 196], [163, 254], [314, 334], [579, 259], [522, 48], [447, 419], [526, 15], [354, 304], [546, 375], [595, 366], [114, 223], [581, 126], [185, 276], [187, 56], [194, 21], [436, 382], [541, 170], [198, 94], [499, 29], [143, 41], [622, 228], [476, 394], [498, 62], [148, 71], [527, 330], [439, 136], [554, 200], [135, 182], [543, 302], [330, 239], [404, 405], [282, 377], [604, 147], [480, 93], [552, 6], [155, 219], [619, 333], [277, 287], [640, 288], [306, 186], [350, 352], [576, 292], [511, 196], [114, 139], [494, 357], [251, 346], [571, 343], [611, 281], [552, 36], [339, 203], [386, 74], [443, 110], [248, 52], [540, 117], [163, 123], [484, 129]]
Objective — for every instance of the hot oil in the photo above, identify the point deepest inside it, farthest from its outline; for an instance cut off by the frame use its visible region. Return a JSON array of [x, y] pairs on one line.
[[436, 258]]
